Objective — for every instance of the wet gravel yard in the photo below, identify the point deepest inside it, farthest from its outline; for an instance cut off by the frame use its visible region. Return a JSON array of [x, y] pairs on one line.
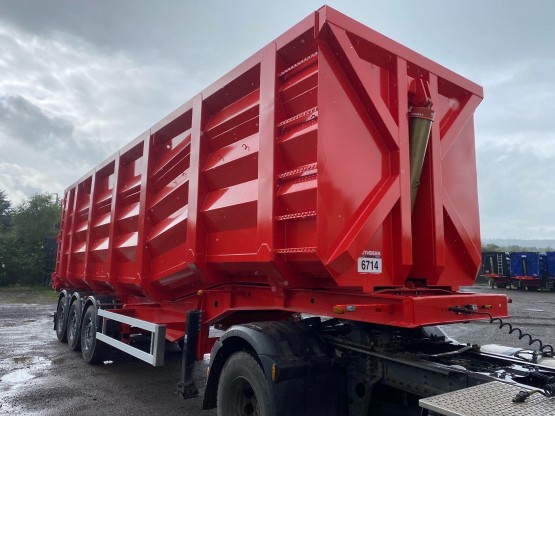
[[40, 376]]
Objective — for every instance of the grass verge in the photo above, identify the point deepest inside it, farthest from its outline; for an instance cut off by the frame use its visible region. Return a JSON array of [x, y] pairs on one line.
[[37, 294]]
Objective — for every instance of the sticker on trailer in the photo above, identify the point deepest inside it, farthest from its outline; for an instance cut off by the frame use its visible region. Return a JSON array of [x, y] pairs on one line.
[[367, 265]]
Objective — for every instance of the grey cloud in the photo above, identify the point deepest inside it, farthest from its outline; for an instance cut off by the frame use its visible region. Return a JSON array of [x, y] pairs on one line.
[[516, 192], [23, 181], [475, 32], [21, 119], [65, 107], [159, 30], [27, 132], [523, 102], [478, 34]]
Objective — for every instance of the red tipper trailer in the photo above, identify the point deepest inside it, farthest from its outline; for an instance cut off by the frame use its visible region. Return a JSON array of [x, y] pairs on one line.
[[330, 174]]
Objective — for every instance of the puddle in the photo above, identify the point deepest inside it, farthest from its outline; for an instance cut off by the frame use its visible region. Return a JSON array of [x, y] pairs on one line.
[[17, 377], [29, 362]]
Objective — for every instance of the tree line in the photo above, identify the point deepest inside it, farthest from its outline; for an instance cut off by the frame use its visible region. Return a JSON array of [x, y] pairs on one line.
[[24, 230], [492, 247]]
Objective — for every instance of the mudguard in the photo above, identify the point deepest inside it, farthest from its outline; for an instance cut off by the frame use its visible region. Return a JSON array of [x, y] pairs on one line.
[[295, 360]]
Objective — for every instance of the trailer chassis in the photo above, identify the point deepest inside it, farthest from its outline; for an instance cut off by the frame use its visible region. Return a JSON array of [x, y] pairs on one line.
[[299, 364]]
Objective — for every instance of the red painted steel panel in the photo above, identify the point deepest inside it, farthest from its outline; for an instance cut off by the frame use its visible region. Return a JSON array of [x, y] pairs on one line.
[[291, 172]]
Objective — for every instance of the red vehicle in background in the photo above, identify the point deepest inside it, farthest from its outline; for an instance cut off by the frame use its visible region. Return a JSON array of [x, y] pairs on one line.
[[318, 204]]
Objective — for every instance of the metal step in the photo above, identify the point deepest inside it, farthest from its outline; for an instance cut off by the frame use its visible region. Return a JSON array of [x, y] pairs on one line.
[[489, 399]]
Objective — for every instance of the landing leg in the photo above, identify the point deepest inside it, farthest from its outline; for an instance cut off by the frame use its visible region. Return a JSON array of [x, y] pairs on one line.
[[186, 387]]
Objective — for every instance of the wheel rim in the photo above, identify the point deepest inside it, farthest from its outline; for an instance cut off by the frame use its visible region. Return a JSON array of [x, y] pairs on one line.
[[61, 315], [72, 327], [242, 398], [88, 334]]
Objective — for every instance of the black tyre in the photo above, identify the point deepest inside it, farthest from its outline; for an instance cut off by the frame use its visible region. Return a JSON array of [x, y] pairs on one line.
[[74, 326], [243, 389], [61, 318], [93, 351]]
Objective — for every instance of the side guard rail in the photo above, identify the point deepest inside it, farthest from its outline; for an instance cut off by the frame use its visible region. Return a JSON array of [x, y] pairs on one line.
[[157, 338]]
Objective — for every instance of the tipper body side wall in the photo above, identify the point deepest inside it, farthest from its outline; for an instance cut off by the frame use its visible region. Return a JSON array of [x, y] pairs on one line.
[[291, 174]]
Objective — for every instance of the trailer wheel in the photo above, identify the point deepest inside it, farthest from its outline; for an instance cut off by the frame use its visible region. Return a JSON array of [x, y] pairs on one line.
[[243, 390], [74, 326], [93, 351], [61, 319]]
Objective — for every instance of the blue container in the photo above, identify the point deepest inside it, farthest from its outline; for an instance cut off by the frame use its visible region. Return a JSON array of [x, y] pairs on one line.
[[550, 264], [525, 264]]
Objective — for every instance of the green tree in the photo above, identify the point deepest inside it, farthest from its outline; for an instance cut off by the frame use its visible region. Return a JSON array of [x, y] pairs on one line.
[[10, 254], [6, 239], [22, 248], [491, 247], [5, 212]]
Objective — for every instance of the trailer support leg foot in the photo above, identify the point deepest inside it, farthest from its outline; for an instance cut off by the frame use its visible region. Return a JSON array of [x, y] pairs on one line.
[[186, 388], [187, 391]]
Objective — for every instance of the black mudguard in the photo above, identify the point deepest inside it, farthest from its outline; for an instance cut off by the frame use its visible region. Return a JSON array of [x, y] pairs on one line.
[[295, 360]]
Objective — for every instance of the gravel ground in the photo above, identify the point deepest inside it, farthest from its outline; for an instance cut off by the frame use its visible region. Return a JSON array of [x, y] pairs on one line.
[[40, 376]]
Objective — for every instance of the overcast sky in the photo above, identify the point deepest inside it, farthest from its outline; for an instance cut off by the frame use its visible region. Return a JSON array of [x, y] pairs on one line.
[[81, 78]]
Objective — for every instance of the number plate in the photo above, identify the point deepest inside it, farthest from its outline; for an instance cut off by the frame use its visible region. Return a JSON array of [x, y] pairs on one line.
[[369, 265]]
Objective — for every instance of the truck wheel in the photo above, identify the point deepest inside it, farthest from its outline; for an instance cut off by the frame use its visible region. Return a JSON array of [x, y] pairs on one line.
[[93, 351], [74, 326], [243, 390], [61, 319]]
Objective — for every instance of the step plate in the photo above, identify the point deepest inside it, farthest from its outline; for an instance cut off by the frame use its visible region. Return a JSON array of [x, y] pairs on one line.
[[489, 399]]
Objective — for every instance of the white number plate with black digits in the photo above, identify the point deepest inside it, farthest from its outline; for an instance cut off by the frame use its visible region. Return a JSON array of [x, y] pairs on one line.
[[369, 265]]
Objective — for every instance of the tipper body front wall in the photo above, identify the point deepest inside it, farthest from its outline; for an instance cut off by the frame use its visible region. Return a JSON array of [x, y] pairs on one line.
[[291, 173]]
